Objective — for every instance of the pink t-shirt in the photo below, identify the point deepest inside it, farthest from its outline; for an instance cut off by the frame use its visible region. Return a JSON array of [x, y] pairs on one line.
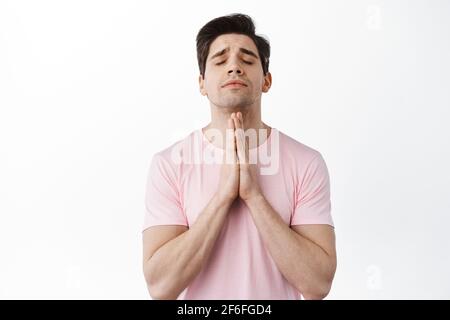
[[181, 181]]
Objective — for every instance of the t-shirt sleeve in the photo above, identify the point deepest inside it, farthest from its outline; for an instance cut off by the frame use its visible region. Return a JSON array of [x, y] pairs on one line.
[[162, 197], [312, 203]]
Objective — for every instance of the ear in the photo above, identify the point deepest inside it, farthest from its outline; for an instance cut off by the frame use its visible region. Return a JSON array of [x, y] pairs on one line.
[[267, 82], [201, 83]]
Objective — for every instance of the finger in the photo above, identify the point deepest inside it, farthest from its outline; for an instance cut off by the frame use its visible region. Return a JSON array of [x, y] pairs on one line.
[[230, 148], [247, 151], [246, 140], [240, 140], [241, 119], [237, 122]]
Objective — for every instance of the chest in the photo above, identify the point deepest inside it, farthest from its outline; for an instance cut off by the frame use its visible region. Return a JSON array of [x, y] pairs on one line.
[[200, 182]]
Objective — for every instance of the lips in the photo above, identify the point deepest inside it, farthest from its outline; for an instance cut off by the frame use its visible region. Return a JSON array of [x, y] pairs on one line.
[[234, 83]]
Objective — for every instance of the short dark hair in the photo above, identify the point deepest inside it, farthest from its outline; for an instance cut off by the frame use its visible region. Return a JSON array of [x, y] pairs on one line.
[[234, 23]]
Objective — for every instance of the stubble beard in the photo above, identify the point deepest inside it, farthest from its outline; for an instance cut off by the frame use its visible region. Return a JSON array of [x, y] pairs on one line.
[[237, 101]]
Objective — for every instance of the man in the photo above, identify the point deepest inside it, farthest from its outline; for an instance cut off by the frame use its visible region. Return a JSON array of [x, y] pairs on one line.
[[228, 229]]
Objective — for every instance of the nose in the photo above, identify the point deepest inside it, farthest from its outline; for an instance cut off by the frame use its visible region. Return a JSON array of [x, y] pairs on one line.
[[234, 68]]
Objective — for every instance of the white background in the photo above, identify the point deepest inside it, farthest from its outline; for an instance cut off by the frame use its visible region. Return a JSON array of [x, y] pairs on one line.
[[90, 90]]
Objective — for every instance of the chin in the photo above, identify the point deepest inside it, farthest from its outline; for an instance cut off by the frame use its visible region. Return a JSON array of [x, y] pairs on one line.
[[235, 103]]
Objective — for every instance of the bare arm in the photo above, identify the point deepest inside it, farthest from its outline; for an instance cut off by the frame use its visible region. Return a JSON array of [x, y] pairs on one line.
[[305, 254], [170, 269], [174, 255]]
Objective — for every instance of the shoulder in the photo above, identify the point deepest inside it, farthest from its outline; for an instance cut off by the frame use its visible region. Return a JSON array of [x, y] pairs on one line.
[[168, 161], [173, 154], [296, 151]]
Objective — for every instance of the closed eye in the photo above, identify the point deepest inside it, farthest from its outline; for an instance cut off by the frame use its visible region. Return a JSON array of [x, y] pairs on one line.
[[246, 62]]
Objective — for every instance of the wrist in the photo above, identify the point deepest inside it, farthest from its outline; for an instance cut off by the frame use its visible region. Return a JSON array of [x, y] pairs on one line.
[[256, 197], [223, 200]]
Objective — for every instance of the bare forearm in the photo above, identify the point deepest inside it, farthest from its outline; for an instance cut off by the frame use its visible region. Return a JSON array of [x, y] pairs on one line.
[[302, 262], [176, 263]]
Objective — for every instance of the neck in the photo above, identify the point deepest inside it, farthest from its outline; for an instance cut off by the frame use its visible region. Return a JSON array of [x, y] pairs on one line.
[[219, 119]]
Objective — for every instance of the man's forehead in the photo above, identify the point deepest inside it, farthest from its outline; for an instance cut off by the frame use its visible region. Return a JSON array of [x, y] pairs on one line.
[[232, 41]]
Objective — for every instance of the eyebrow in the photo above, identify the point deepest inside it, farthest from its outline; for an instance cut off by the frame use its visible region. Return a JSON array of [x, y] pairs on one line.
[[243, 50]]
